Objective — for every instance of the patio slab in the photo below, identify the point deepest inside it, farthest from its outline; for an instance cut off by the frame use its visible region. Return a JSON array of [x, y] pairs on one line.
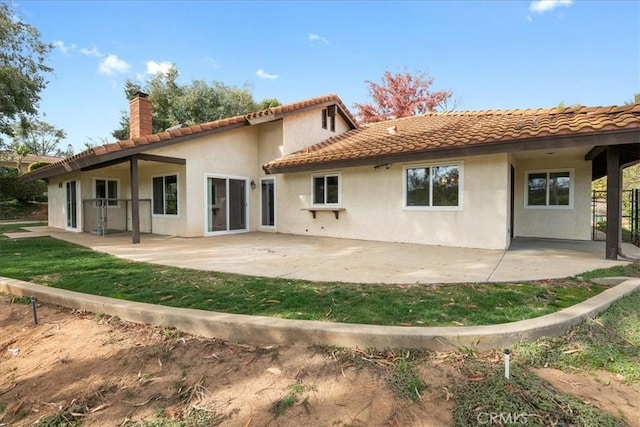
[[346, 260]]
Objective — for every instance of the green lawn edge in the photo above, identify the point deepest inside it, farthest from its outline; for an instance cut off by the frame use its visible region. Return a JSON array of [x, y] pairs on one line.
[[54, 263]]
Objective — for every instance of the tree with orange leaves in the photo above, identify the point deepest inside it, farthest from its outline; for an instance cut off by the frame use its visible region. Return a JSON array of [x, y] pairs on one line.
[[401, 95]]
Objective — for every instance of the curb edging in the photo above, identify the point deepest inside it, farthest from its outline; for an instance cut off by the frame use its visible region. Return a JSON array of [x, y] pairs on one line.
[[261, 330]]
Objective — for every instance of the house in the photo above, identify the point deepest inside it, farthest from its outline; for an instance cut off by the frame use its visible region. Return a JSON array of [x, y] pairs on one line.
[[7, 160], [467, 179]]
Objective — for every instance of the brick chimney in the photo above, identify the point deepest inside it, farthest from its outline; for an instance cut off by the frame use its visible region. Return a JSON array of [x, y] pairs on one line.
[[140, 116]]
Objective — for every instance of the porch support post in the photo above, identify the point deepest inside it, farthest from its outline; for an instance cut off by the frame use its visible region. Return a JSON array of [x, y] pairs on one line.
[[613, 202], [135, 201]]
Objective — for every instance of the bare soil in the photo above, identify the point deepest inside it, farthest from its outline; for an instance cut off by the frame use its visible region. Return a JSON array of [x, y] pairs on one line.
[[121, 373]]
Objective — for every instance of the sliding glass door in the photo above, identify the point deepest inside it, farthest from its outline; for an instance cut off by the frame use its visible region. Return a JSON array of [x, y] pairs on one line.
[[71, 205], [226, 204], [267, 202]]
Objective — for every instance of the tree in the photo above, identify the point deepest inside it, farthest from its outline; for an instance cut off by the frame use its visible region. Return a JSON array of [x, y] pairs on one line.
[[193, 103], [39, 138], [22, 68], [14, 152], [267, 103], [401, 95], [634, 100]]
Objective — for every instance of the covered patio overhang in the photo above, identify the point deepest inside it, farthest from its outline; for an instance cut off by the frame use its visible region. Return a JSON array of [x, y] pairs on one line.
[[609, 161], [95, 162]]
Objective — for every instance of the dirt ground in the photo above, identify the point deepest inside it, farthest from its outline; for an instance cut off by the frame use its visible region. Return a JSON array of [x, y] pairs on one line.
[[121, 373]]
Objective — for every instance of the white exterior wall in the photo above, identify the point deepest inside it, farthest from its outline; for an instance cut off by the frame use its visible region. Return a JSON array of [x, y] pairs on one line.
[[556, 223], [57, 201], [373, 203], [238, 153], [229, 153], [305, 128]]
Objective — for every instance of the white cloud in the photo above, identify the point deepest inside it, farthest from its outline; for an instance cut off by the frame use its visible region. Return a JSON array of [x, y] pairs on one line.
[[542, 6], [91, 52], [64, 48], [112, 65], [317, 38], [154, 67], [264, 75]]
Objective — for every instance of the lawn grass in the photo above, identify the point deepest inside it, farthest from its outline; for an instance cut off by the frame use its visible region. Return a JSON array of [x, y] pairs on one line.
[[628, 270], [63, 265], [488, 398], [16, 227], [610, 341]]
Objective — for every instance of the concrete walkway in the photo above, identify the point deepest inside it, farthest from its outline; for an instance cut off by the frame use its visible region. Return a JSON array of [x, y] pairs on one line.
[[346, 260]]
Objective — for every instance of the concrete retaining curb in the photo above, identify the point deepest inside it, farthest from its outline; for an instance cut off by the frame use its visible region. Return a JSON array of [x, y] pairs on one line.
[[259, 330]]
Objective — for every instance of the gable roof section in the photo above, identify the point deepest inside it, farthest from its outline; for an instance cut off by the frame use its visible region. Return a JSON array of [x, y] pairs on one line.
[[110, 153], [441, 135]]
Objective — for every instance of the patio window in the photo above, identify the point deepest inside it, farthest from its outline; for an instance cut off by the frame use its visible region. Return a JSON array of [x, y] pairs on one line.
[[165, 195], [326, 189], [549, 189], [106, 189], [434, 186]]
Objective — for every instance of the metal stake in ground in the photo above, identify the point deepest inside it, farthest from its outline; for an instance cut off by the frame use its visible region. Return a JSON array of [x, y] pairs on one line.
[[34, 310], [507, 361]]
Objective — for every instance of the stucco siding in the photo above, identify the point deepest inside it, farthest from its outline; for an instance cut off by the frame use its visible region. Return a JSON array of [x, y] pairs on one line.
[[232, 153], [373, 207], [558, 223], [305, 128]]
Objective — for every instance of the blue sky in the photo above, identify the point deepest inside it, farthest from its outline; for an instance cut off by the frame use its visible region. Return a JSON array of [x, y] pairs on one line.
[[492, 54]]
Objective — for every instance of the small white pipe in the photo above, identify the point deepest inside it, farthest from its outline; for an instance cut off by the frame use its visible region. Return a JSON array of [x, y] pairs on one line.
[[507, 362]]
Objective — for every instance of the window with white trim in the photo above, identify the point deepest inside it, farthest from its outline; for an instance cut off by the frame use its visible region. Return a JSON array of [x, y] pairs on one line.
[[106, 189], [433, 186], [549, 189], [165, 195], [326, 189]]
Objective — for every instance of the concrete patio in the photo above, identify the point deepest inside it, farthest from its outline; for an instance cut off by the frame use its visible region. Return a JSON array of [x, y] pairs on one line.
[[345, 260]]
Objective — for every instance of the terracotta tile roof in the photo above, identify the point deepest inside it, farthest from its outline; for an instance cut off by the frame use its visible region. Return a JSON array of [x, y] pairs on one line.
[[442, 131], [71, 163], [282, 109], [32, 158]]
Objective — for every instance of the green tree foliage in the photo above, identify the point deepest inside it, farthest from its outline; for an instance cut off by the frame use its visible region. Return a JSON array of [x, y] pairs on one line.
[[13, 152], [39, 138], [37, 165], [634, 100], [192, 103], [17, 191], [22, 68]]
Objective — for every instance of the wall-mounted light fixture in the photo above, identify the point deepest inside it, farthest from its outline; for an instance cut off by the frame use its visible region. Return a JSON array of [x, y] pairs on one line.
[[253, 185]]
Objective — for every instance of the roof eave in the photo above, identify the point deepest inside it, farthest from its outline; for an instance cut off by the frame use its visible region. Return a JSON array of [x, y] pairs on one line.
[[72, 165], [625, 136]]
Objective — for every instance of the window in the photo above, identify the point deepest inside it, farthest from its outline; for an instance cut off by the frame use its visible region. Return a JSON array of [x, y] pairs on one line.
[[326, 189], [432, 186], [106, 189], [165, 195], [329, 117], [549, 189]]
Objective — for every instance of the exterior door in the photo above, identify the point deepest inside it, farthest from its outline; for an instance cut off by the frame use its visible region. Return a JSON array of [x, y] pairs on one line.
[[267, 202], [71, 205], [226, 204]]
